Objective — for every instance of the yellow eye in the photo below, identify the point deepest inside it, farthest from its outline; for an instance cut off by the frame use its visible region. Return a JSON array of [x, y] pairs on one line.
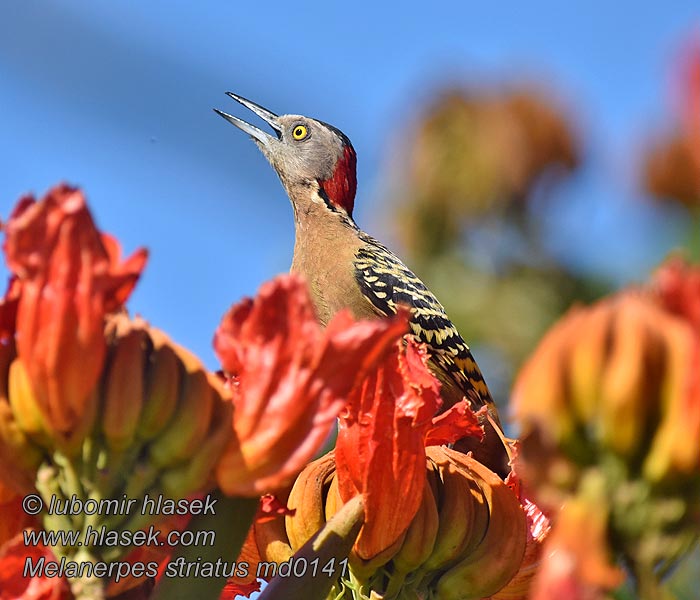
[[300, 132]]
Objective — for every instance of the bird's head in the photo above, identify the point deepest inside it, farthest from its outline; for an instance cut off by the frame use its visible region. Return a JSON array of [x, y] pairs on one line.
[[306, 153]]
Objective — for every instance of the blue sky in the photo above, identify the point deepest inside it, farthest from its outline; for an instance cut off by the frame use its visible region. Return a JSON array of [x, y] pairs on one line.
[[116, 97]]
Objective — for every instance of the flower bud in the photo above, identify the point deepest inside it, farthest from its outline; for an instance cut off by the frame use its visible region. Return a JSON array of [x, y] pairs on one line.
[[20, 457]]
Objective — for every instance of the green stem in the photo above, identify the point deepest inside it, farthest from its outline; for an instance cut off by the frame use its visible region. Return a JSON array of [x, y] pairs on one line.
[[87, 587], [230, 524], [647, 582], [327, 548]]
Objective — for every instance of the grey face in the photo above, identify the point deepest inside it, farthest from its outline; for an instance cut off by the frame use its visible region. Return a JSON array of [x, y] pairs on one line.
[[302, 149]]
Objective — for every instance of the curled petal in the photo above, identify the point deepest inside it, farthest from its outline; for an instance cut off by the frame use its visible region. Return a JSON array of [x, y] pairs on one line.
[[236, 589], [271, 507], [454, 424]]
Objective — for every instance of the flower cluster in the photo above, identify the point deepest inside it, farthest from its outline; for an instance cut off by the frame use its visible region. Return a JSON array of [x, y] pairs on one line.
[[432, 517], [97, 405], [93, 405], [609, 406]]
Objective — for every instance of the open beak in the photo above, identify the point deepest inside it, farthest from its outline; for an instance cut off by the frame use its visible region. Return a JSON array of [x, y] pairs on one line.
[[257, 134]]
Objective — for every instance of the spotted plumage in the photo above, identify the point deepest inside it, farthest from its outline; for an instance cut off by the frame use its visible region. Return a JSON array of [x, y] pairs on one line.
[[386, 283]]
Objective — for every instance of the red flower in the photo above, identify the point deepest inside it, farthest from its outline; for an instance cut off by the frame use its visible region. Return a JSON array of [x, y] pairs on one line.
[[454, 424], [290, 380], [69, 276], [14, 519], [8, 310], [380, 451], [272, 507], [14, 586]]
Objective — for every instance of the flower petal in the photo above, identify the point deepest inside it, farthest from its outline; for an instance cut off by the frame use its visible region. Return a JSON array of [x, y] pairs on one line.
[[8, 310], [454, 424], [292, 378], [380, 451]]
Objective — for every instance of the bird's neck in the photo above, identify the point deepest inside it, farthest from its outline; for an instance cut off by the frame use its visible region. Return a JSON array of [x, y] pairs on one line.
[[322, 232], [314, 212], [325, 246]]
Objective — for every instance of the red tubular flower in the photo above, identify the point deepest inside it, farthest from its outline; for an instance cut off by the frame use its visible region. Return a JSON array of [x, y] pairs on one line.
[[69, 276], [291, 378], [380, 451], [609, 409]]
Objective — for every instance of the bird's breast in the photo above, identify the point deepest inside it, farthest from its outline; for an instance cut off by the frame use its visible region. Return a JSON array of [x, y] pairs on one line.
[[326, 261]]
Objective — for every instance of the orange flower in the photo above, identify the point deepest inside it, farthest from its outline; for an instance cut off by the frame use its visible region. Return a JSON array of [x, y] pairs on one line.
[[69, 276], [600, 381], [290, 380], [466, 540], [380, 450]]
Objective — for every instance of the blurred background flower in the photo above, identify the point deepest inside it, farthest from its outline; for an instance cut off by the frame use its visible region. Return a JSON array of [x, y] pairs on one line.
[[609, 409], [672, 169]]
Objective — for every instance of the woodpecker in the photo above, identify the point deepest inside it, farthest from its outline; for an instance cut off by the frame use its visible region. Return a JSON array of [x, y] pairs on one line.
[[347, 268]]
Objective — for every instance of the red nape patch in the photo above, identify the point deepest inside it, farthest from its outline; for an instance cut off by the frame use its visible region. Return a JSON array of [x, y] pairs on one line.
[[341, 188]]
